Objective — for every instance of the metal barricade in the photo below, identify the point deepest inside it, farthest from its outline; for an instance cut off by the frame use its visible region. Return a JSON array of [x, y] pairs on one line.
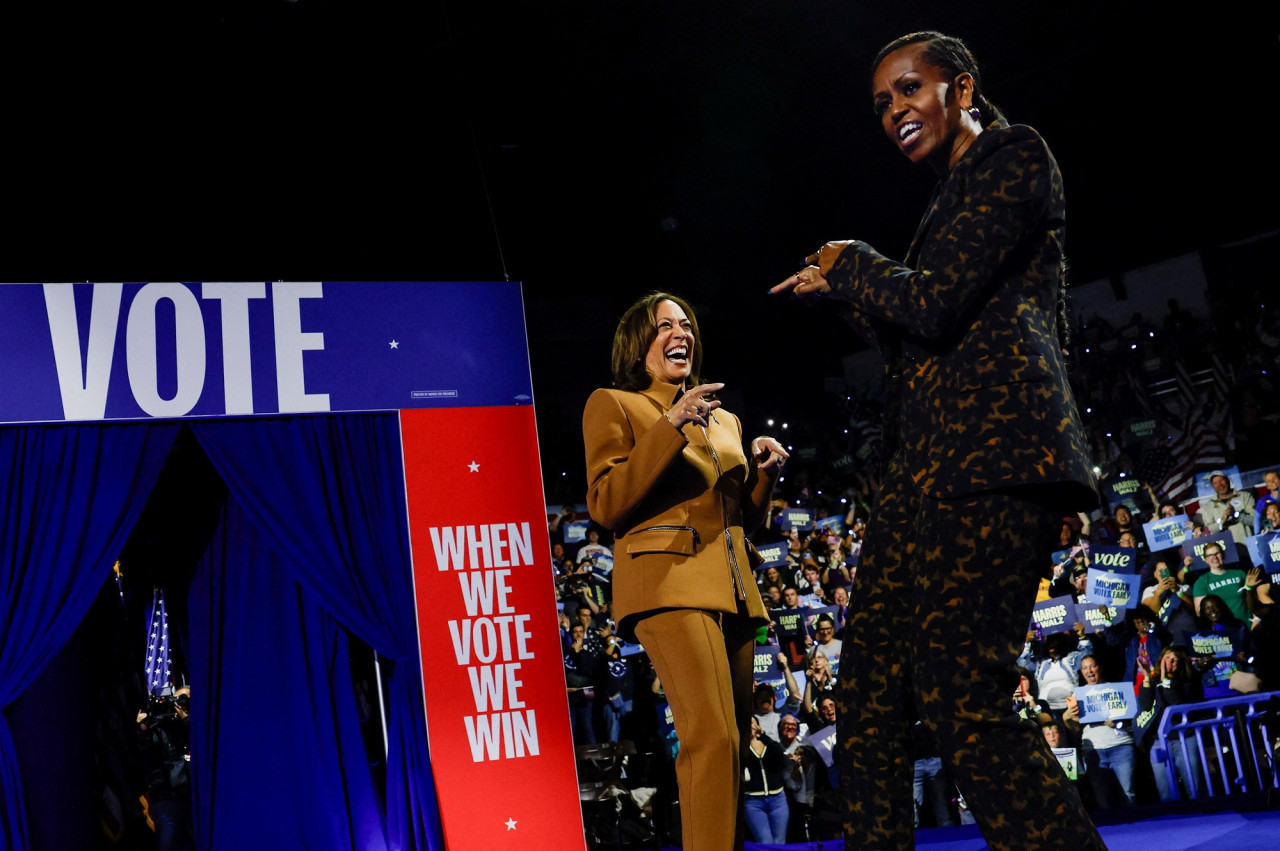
[[1240, 727]]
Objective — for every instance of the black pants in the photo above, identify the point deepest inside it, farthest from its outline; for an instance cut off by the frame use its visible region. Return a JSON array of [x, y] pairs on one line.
[[941, 603]]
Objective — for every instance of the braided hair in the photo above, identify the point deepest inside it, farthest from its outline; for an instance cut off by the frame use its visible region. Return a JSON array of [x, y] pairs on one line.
[[951, 56]]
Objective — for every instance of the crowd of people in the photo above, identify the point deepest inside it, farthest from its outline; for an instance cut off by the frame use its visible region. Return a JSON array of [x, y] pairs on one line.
[[1169, 649]]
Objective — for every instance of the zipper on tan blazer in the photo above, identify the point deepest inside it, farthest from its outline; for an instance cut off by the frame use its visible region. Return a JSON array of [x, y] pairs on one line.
[[697, 539], [738, 589]]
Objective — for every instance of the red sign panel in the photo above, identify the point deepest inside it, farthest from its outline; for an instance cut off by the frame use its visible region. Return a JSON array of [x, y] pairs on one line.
[[492, 665]]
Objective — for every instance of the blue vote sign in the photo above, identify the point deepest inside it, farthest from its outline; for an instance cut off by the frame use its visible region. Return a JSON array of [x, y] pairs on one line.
[[774, 555], [796, 518], [1057, 614], [122, 351], [1167, 533], [1113, 590], [1106, 702], [1114, 559]]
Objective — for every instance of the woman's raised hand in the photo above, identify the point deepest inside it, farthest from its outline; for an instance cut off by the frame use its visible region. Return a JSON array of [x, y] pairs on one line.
[[812, 279], [807, 282], [1148, 675], [693, 406], [768, 453]]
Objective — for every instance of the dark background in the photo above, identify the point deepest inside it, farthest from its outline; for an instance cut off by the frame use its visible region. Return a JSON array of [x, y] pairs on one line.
[[595, 150]]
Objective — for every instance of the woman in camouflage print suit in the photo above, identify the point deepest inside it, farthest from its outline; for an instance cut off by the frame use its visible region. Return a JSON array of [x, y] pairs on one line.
[[985, 455]]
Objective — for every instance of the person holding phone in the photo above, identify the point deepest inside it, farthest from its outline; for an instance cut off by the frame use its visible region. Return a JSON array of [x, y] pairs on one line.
[[1169, 682], [1169, 598]]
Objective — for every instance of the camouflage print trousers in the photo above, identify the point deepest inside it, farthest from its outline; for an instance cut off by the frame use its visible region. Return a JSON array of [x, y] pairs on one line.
[[942, 599]]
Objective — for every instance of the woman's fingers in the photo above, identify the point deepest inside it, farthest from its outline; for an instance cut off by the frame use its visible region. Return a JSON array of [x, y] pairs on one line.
[[788, 285], [808, 281], [693, 406]]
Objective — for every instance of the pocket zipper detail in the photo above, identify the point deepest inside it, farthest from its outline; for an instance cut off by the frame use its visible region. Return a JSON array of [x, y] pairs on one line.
[[697, 539]]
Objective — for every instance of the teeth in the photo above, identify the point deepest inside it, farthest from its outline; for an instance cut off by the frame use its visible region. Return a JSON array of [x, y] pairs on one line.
[[909, 129], [679, 352]]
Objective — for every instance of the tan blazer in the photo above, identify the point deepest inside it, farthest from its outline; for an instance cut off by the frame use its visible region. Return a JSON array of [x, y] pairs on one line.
[[677, 502]]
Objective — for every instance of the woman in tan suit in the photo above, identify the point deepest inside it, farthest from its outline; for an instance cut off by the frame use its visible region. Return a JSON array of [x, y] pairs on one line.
[[666, 471]]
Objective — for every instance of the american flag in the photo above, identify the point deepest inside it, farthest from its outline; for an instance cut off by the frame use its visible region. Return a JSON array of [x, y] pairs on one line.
[[1223, 377], [1186, 387], [158, 668], [1198, 446], [1138, 393]]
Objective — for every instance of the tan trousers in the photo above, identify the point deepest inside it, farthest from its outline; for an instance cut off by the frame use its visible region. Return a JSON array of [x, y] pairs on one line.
[[704, 660]]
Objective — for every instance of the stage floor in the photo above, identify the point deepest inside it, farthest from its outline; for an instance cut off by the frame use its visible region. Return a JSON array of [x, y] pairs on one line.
[[1156, 828], [1225, 830]]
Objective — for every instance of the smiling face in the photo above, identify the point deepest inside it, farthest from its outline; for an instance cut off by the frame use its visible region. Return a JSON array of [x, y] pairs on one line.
[[670, 355], [1212, 611], [1273, 513], [826, 632], [1221, 485], [921, 109], [1089, 670], [1123, 517], [788, 729]]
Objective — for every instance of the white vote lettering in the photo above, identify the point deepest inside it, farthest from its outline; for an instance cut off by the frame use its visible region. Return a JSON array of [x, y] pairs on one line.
[[142, 358], [237, 371], [84, 374], [291, 342], [83, 382]]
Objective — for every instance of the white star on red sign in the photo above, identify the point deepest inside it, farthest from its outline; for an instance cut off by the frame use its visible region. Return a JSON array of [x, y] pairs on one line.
[[511, 824], [473, 467]]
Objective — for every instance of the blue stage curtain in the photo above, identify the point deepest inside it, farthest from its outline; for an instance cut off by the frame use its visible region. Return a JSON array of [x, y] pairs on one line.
[[278, 759], [72, 495], [328, 493]]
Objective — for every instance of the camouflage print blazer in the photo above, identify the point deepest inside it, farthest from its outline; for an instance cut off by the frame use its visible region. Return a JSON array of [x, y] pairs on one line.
[[979, 397]]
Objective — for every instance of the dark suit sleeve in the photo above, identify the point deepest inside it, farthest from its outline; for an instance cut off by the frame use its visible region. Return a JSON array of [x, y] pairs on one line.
[[1006, 199], [623, 464]]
